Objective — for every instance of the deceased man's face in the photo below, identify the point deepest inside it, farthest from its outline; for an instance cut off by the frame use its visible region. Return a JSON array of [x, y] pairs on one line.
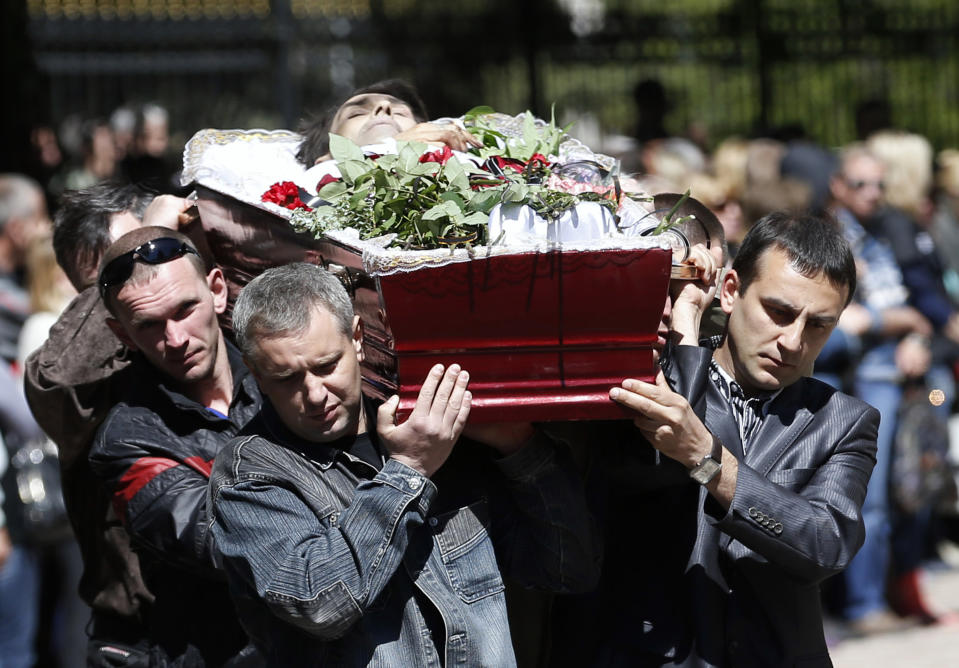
[[372, 117]]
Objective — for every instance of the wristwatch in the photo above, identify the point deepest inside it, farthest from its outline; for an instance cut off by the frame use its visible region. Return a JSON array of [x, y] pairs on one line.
[[708, 466]]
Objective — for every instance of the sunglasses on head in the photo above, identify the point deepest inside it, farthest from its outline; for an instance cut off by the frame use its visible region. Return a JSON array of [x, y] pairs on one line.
[[156, 251], [859, 184]]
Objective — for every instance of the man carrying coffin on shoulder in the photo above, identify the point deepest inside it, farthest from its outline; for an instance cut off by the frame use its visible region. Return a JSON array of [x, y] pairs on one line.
[[762, 470], [351, 540]]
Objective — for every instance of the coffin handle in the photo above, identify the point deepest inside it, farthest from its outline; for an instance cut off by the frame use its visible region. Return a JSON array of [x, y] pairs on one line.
[[345, 274]]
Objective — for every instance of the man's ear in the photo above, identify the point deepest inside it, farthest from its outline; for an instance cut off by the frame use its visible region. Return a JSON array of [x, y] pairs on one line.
[[218, 287], [117, 328], [729, 291], [358, 337]]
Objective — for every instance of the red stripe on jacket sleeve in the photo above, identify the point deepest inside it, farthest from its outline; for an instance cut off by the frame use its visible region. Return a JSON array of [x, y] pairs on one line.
[[136, 478], [200, 465]]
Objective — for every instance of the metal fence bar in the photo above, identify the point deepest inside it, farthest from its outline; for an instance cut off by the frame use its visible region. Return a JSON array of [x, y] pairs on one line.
[[734, 65]]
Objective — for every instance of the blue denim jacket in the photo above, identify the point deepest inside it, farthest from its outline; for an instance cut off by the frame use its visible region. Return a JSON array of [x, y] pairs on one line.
[[332, 562]]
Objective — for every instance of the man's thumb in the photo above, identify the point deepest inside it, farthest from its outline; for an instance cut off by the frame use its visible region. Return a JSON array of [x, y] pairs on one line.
[[386, 414]]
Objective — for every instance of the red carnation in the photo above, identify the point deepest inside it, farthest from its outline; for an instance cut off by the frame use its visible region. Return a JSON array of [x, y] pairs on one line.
[[440, 155], [285, 194]]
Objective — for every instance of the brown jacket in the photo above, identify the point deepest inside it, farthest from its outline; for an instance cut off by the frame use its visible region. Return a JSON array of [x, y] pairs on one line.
[[71, 383]]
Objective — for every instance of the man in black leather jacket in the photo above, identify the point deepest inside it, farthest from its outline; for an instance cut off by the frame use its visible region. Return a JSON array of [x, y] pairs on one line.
[[155, 449]]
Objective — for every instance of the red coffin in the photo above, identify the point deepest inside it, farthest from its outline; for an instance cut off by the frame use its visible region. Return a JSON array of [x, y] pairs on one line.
[[543, 335]]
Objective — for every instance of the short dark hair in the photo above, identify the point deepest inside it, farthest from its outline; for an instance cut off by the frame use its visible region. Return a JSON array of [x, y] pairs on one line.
[[316, 129], [814, 244], [81, 226]]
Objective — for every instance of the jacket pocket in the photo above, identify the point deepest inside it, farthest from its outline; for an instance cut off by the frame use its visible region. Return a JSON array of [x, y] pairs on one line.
[[467, 552]]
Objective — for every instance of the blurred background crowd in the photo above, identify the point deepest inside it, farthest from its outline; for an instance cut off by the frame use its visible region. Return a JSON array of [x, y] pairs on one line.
[[751, 105]]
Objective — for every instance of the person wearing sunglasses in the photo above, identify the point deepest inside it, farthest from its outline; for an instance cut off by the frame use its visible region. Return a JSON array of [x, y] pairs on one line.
[[153, 453], [892, 339]]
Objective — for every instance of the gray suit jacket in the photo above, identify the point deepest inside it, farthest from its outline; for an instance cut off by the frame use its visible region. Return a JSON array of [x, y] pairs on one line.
[[687, 583], [795, 520]]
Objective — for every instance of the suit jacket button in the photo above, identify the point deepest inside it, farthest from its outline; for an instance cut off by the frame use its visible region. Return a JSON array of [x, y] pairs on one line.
[[778, 529], [753, 512]]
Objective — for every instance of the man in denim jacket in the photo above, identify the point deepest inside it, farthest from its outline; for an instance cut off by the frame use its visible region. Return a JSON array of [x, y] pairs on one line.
[[351, 540]]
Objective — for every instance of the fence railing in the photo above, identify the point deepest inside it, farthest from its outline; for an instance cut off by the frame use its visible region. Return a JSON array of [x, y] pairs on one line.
[[730, 66]]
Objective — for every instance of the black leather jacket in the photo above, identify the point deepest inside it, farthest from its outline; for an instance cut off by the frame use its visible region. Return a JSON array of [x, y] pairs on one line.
[[154, 453]]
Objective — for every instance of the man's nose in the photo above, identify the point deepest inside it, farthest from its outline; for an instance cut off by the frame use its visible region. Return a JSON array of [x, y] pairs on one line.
[[314, 390], [176, 335], [790, 338], [383, 107]]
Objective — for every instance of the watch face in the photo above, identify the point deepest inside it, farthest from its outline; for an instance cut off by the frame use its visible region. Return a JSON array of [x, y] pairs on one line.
[[677, 241], [705, 471]]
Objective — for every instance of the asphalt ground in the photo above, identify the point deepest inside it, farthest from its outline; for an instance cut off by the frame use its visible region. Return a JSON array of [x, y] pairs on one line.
[[918, 646]]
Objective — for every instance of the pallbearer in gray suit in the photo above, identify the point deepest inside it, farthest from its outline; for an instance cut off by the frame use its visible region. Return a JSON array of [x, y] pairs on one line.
[[777, 470]]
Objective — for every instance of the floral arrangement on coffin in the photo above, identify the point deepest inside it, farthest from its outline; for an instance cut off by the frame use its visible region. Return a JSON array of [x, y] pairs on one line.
[[285, 194], [430, 199]]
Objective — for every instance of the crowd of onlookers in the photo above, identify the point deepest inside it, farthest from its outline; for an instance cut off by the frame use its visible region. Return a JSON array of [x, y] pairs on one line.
[[131, 145], [896, 346]]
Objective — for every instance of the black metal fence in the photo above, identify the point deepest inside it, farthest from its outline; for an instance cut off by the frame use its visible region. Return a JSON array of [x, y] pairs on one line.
[[729, 66]]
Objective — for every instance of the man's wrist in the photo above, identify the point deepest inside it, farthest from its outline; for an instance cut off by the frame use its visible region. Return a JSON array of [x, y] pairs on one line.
[[708, 466], [699, 446], [685, 328], [411, 463]]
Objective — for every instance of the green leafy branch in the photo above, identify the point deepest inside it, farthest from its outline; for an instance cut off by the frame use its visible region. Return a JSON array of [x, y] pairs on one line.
[[443, 201]]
